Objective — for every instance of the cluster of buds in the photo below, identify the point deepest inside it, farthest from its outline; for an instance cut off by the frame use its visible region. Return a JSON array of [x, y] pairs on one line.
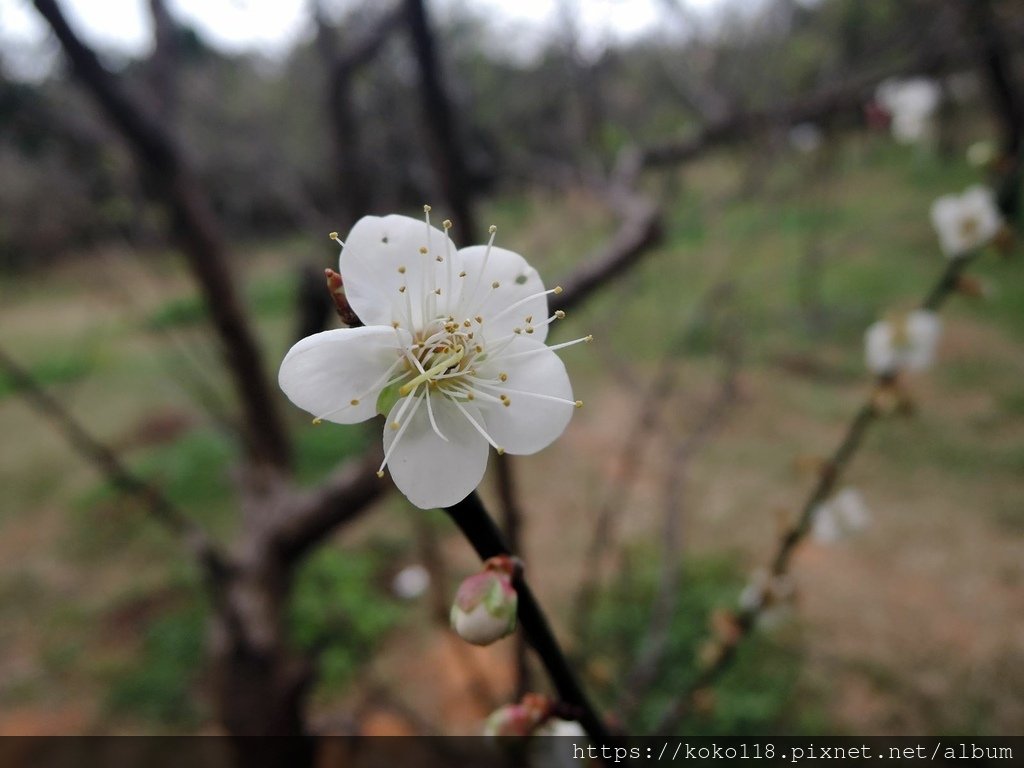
[[485, 605]]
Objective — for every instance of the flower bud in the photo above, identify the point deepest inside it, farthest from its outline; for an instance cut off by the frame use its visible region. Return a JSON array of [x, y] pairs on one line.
[[485, 605], [520, 719]]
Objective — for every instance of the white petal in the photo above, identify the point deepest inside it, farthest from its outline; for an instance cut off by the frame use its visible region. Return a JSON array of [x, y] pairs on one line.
[[529, 423], [323, 373], [516, 280], [923, 329], [430, 471], [375, 250], [879, 353]]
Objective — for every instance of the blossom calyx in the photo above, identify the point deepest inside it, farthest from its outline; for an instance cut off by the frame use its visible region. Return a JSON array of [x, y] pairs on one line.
[[485, 605]]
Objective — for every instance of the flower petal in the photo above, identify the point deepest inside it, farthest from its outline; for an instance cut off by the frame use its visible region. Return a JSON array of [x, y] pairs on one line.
[[376, 249], [516, 280], [325, 372], [529, 423], [432, 472]]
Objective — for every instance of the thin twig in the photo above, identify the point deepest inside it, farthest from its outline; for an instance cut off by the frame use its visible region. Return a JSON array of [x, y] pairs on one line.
[[652, 653], [650, 406], [833, 469], [110, 465]]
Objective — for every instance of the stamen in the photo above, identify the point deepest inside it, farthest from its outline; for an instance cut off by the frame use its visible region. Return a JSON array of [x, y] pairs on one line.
[[398, 437], [524, 393], [378, 384], [552, 348], [444, 365], [515, 305], [430, 415], [479, 429], [335, 238]]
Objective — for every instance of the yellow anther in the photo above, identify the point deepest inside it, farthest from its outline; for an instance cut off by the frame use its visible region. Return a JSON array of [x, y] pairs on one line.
[[380, 473], [469, 396], [437, 291], [579, 403], [501, 451], [354, 401], [492, 229], [427, 209], [438, 258], [530, 329], [401, 270], [559, 314], [462, 274], [478, 319], [401, 289], [503, 376], [395, 425], [318, 421], [423, 249], [529, 319], [495, 284], [557, 290], [394, 324], [478, 349], [447, 223], [333, 235], [517, 330], [589, 338]]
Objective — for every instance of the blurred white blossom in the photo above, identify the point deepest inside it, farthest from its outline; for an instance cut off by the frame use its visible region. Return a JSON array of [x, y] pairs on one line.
[[967, 221], [903, 342], [839, 516], [410, 582], [911, 103]]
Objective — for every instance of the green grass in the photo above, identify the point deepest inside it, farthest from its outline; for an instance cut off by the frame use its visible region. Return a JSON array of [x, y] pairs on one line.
[[760, 694], [341, 611], [160, 686]]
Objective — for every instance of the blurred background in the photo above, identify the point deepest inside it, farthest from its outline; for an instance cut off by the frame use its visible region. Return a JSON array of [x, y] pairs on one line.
[[164, 210]]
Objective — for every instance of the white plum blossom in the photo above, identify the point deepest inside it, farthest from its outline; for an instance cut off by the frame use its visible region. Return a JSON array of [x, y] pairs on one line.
[[903, 342], [452, 352], [911, 103], [843, 514], [965, 222]]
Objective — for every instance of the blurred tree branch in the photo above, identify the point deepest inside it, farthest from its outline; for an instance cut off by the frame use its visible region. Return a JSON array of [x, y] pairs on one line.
[[355, 188], [120, 477], [161, 162]]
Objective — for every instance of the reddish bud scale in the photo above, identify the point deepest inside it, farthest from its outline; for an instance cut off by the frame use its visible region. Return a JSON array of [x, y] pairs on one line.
[[341, 305]]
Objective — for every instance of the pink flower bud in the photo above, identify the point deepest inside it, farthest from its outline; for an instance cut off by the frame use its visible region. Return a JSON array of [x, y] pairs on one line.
[[520, 719], [485, 605]]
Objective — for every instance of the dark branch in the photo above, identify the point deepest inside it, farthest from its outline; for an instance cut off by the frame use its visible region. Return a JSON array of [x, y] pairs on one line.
[[480, 530]]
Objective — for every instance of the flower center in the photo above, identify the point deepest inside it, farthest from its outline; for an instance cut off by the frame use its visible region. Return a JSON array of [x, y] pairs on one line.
[[969, 227], [439, 358]]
